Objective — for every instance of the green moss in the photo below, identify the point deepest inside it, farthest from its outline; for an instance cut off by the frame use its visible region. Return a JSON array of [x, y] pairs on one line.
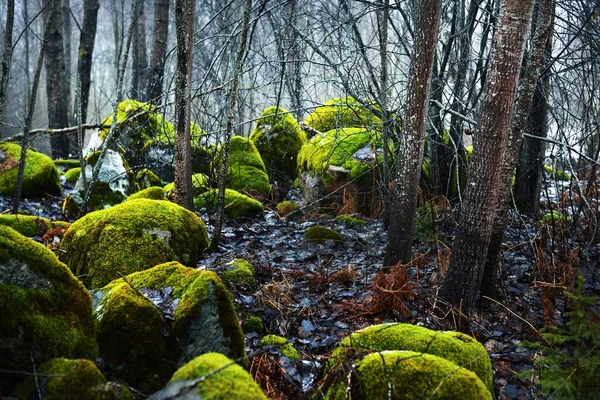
[[239, 271], [65, 379], [253, 324], [45, 309], [237, 205], [320, 234], [40, 177], [130, 237], [349, 220], [343, 112], [286, 207], [555, 217], [133, 334], [558, 174], [27, 225], [453, 346], [246, 170], [72, 175], [409, 375], [230, 381], [278, 138], [153, 192], [284, 346], [66, 164], [200, 184], [146, 178]]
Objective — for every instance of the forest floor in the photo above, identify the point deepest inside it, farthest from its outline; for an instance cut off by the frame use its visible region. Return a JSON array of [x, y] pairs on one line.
[[315, 295]]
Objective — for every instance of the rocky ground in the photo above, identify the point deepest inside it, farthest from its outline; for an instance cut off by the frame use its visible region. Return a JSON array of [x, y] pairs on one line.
[[315, 295]]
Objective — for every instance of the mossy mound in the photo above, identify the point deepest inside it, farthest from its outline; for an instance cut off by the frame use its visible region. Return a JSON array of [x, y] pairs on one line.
[[72, 175], [349, 220], [320, 234], [284, 346], [286, 207], [30, 225], [200, 184], [211, 376], [135, 339], [456, 347], [64, 379], [343, 112], [131, 237], [45, 309], [555, 217], [407, 375], [278, 138], [246, 170], [239, 271], [153, 193], [66, 165], [557, 174], [146, 178], [40, 176], [237, 205], [253, 324]]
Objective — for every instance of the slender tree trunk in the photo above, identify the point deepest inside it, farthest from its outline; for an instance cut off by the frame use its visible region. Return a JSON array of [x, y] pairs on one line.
[[159, 50], [6, 58], [139, 60], [58, 111], [463, 282], [184, 25], [387, 128], [66, 33], [410, 154], [87, 39], [545, 11]]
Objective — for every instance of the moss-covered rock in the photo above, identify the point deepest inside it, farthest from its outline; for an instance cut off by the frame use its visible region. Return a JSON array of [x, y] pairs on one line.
[[146, 178], [153, 192], [320, 234], [278, 138], [45, 309], [64, 379], [555, 217], [72, 175], [65, 165], [349, 220], [253, 324], [286, 207], [284, 346], [130, 237], [343, 112], [246, 169], [239, 271], [200, 184], [407, 375], [211, 376], [237, 205], [136, 341], [40, 177], [557, 174], [30, 225], [456, 347]]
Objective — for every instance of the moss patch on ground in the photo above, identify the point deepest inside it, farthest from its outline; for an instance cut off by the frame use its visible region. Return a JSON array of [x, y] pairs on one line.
[[253, 324], [72, 175], [284, 346], [286, 207], [239, 271], [349, 220], [320, 234], [237, 205], [40, 176], [130, 237], [342, 112]]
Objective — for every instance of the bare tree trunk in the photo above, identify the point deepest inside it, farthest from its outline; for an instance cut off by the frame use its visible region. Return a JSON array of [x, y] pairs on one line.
[[410, 154], [515, 139], [139, 60], [463, 281], [87, 39], [6, 58], [58, 111], [160, 32], [66, 33], [387, 128], [184, 25]]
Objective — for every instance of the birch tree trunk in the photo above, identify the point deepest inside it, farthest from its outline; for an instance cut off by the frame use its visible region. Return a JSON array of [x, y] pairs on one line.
[[87, 39], [6, 58], [184, 25], [479, 208], [410, 154], [160, 32]]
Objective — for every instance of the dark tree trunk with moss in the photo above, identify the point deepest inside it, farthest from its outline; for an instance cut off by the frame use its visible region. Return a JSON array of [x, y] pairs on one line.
[[56, 80], [410, 154], [159, 50], [86, 51], [139, 67], [479, 208], [6, 58], [184, 24]]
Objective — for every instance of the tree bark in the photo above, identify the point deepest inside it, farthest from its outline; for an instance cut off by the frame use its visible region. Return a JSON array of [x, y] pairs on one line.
[[66, 33], [87, 39], [139, 60], [184, 25], [159, 50], [463, 281], [6, 58], [410, 154], [58, 109]]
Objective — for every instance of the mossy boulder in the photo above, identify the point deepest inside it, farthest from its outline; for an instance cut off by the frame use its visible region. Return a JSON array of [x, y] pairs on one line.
[[64, 379], [211, 376], [456, 347], [30, 225], [146, 178], [239, 271], [131, 237], [46, 311], [286, 208], [66, 164], [153, 192], [283, 345], [72, 175], [278, 138], [152, 321], [407, 375], [40, 176], [246, 170], [200, 184], [237, 205], [342, 112], [349, 220], [320, 234], [253, 324]]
